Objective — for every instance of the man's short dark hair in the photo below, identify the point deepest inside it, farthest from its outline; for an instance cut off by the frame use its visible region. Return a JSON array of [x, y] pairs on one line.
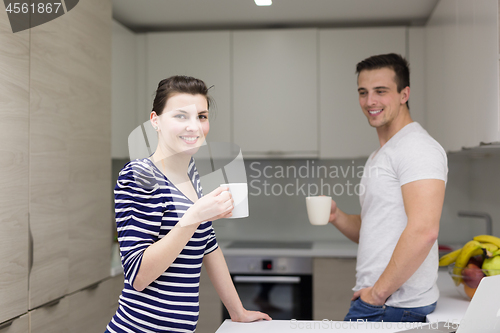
[[391, 60]]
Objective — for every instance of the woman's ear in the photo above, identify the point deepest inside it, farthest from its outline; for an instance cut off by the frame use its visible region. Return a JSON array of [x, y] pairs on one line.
[[154, 120]]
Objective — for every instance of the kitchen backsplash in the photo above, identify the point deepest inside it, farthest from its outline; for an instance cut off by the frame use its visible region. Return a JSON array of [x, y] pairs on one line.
[[277, 191]]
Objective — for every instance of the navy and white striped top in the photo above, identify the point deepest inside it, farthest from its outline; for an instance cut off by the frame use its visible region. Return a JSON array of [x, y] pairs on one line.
[[147, 206]]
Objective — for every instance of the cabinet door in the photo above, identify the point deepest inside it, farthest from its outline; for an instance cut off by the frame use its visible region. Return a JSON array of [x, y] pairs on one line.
[[51, 318], [14, 150], [275, 109], [344, 129], [89, 155], [333, 280], [203, 55], [89, 310], [49, 159], [210, 306], [18, 325]]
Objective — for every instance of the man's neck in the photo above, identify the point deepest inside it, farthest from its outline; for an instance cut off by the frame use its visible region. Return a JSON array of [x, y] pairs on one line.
[[386, 132]]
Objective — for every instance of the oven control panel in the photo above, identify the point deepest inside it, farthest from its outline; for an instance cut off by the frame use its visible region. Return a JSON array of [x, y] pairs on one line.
[[269, 265]]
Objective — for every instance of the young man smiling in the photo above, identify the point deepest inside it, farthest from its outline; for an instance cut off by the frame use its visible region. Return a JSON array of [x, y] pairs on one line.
[[397, 229]]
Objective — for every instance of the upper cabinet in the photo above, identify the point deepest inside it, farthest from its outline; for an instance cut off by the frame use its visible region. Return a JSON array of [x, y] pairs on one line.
[[203, 55], [275, 101], [462, 73], [344, 129]]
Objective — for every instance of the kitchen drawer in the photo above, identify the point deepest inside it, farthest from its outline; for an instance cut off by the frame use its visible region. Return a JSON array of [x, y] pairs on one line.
[[333, 280], [18, 325]]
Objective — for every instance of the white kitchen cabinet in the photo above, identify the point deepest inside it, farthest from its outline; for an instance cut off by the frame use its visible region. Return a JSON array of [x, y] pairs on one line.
[[344, 129], [275, 108], [462, 73], [333, 280], [14, 156], [203, 55]]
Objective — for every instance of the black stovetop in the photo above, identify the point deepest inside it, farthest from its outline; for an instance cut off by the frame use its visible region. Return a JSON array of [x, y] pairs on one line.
[[269, 245]]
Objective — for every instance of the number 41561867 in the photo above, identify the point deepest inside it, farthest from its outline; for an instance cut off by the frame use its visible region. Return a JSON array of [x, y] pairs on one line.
[[40, 8]]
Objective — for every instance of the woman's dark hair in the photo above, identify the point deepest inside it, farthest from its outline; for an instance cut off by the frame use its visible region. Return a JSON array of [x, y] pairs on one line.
[[179, 84], [391, 60]]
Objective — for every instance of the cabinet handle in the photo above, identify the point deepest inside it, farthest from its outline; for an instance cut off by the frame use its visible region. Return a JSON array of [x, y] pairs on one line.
[[7, 323], [51, 304], [30, 247], [92, 286], [276, 152]]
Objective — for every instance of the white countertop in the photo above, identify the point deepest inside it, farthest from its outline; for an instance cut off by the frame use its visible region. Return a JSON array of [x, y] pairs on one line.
[[332, 249], [450, 307]]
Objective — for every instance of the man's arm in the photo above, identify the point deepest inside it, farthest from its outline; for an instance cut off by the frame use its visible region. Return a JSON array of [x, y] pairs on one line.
[[423, 201], [221, 279], [348, 224]]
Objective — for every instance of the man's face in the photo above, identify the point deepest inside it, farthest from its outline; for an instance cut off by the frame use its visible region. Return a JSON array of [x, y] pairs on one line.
[[379, 98]]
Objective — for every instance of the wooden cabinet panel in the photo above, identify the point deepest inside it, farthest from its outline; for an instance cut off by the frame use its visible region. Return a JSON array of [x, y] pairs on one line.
[[275, 102], [88, 310], [344, 129], [49, 164], [89, 144], [210, 306], [114, 286], [333, 280], [14, 159], [51, 318], [18, 325]]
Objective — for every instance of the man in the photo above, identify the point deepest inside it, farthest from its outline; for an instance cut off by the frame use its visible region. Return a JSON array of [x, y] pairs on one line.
[[404, 186]]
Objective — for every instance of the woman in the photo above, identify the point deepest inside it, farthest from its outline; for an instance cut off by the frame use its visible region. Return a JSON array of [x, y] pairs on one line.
[[164, 223]]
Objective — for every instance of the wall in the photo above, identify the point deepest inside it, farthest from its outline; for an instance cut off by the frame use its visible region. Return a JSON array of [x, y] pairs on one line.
[[284, 217]]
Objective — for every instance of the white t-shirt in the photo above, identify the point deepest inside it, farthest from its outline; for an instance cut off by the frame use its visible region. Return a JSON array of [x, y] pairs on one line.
[[410, 155]]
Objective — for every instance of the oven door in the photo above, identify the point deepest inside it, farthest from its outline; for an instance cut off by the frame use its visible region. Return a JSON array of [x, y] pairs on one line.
[[282, 297]]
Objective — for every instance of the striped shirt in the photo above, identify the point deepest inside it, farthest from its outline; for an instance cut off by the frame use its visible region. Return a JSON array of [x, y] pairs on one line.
[[147, 206]]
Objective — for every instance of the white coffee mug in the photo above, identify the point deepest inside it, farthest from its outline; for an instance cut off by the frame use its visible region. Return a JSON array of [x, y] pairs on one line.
[[239, 192], [318, 209]]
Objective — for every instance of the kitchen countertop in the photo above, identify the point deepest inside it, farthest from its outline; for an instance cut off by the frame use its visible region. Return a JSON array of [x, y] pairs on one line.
[[450, 307], [333, 249]]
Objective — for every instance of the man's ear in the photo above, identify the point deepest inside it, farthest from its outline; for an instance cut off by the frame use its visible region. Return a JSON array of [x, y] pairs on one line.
[[405, 94]]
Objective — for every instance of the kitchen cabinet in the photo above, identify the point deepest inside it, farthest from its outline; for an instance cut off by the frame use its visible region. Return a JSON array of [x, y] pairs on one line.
[[333, 280], [14, 166], [53, 317], [55, 232], [114, 285], [210, 306], [203, 55], [17, 325], [462, 73], [88, 309], [275, 108], [344, 129]]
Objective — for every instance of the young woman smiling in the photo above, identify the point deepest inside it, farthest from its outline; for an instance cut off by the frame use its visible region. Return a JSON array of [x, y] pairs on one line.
[[164, 222]]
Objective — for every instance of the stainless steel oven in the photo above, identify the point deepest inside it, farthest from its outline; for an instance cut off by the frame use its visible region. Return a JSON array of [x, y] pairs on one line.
[[280, 286]]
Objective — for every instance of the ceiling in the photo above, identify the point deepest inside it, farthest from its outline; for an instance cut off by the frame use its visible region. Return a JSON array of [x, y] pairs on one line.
[[165, 15]]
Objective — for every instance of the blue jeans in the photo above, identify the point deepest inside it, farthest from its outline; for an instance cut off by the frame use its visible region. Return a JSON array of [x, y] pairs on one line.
[[367, 312]]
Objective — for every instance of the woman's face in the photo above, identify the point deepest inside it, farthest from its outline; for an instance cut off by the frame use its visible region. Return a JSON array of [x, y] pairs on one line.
[[183, 125]]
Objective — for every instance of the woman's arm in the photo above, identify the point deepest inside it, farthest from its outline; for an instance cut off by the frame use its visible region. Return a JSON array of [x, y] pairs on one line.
[[221, 279], [161, 254]]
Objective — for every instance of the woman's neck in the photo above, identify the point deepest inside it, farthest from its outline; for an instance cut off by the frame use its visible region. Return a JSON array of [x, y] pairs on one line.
[[176, 164]]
